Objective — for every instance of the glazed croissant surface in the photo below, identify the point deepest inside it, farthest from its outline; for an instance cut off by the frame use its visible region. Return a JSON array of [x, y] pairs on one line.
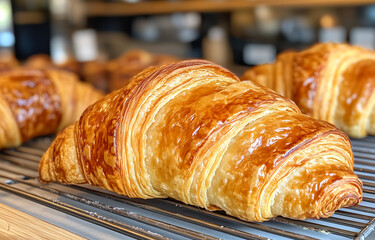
[[331, 82], [38, 102], [194, 132]]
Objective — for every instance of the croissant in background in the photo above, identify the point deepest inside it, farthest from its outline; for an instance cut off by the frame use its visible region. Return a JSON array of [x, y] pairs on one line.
[[95, 72], [194, 132], [44, 61], [122, 69], [38, 102], [331, 82], [7, 60], [39, 61]]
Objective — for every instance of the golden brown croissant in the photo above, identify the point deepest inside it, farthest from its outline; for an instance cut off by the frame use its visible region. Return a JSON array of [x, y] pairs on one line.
[[330, 82], [193, 132], [44, 61], [7, 61], [122, 69], [96, 73], [39, 61], [38, 102]]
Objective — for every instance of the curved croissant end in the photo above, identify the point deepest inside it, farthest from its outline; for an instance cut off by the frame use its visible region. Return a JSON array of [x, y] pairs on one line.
[[331, 82], [193, 132]]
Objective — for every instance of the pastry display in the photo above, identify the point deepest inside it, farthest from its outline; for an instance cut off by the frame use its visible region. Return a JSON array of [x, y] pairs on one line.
[[194, 132]]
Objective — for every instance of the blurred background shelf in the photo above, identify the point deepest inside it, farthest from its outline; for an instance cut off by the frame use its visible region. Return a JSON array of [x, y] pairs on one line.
[[99, 8], [233, 33]]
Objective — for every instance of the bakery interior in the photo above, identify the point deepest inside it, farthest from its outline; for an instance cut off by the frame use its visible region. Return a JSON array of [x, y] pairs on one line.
[[103, 44]]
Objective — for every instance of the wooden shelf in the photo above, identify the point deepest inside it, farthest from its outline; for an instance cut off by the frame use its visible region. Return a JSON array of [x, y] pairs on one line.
[[18, 225], [96, 8]]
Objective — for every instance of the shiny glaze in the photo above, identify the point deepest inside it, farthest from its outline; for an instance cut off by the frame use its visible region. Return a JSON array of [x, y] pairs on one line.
[[356, 91], [33, 100], [266, 145], [171, 78], [180, 132], [260, 150], [96, 145], [186, 123]]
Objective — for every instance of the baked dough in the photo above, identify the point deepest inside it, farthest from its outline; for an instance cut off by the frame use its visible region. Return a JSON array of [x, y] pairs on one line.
[[194, 132]]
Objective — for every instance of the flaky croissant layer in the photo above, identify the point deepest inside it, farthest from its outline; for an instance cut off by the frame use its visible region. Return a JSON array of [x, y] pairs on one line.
[[330, 82], [38, 102], [193, 132]]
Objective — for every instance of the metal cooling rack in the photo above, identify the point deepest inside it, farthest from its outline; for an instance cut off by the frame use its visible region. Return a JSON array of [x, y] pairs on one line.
[[169, 219]]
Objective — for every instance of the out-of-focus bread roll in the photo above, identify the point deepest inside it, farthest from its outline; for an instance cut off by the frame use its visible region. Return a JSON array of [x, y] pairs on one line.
[[7, 61], [122, 69], [35, 102]]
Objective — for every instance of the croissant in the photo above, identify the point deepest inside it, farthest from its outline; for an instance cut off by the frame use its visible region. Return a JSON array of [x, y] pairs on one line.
[[44, 61], [38, 102], [122, 69], [194, 132], [7, 61], [330, 82], [95, 72], [39, 61]]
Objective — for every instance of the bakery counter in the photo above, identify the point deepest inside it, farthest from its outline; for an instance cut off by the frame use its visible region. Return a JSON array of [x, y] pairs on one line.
[[89, 212]]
